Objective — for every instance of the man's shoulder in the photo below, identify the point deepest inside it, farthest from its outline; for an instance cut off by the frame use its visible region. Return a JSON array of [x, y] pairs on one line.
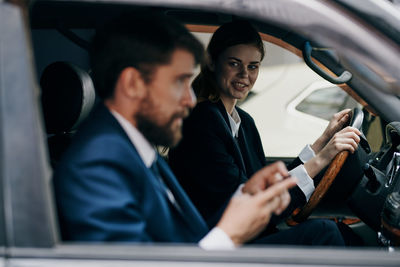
[[99, 116], [99, 136]]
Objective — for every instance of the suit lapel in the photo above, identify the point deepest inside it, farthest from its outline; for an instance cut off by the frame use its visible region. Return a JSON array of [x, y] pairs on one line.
[[188, 211], [236, 148], [244, 148]]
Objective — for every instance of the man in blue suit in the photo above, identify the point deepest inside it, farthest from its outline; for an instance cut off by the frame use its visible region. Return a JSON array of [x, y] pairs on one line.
[[111, 184]]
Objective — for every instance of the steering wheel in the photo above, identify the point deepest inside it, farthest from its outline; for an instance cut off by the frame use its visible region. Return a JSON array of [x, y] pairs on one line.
[[301, 214]]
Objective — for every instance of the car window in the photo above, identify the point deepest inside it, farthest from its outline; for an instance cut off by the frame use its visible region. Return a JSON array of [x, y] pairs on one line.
[[325, 102]]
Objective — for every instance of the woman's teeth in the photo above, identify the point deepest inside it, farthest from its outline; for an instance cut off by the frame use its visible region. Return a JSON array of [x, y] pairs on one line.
[[241, 85]]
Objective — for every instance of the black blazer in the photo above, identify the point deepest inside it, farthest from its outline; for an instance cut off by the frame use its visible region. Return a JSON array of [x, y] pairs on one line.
[[210, 163]]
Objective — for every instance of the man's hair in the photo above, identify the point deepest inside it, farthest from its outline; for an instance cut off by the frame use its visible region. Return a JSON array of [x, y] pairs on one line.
[[142, 41]]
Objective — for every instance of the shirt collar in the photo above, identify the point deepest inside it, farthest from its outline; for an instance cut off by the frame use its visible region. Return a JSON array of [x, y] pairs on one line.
[[234, 121], [146, 151]]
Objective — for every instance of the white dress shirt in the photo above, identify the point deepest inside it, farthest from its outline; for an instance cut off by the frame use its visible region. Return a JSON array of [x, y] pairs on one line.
[[305, 183]]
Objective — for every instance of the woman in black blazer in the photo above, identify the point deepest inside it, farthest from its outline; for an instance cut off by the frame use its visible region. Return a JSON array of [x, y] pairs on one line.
[[221, 147]]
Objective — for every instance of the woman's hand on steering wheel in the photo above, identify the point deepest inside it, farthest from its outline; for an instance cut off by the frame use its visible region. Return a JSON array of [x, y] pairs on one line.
[[337, 148], [337, 122], [346, 139]]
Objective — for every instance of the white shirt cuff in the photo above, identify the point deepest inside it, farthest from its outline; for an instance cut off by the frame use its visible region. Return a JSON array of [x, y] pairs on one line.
[[305, 183], [216, 239], [238, 191], [306, 154]]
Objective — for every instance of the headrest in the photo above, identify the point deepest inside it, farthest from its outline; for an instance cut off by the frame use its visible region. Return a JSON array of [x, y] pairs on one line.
[[67, 96]]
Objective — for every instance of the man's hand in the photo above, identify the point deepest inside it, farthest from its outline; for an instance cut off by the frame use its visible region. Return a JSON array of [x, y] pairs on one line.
[[248, 214], [264, 178], [337, 123]]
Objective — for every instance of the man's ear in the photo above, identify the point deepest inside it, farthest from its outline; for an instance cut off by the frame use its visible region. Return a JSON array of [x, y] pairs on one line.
[[131, 84]]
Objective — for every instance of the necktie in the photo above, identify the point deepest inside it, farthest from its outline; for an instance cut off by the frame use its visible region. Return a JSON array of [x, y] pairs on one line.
[[180, 201], [156, 171]]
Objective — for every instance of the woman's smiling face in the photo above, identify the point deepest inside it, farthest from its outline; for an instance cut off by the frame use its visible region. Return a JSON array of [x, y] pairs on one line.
[[236, 71]]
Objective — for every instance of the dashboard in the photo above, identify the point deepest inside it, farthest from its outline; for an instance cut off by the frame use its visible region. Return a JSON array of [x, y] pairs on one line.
[[381, 177]]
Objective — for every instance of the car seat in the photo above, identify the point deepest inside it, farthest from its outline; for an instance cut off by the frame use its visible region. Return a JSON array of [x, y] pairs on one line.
[[68, 96]]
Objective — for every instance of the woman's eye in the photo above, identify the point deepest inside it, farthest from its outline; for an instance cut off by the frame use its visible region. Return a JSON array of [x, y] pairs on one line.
[[253, 67]]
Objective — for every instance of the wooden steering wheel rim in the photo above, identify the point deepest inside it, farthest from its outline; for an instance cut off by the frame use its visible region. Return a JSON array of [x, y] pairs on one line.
[[334, 168], [301, 214]]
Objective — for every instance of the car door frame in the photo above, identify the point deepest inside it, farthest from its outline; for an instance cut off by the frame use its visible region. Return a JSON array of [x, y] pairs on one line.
[[28, 215]]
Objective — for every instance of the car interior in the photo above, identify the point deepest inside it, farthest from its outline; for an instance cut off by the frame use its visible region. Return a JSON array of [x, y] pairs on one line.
[[61, 34]]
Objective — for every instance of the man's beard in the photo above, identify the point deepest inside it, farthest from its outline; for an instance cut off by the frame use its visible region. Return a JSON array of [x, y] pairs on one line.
[[159, 135]]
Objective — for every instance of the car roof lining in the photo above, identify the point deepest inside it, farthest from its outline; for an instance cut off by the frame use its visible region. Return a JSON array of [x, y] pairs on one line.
[[73, 15], [65, 16]]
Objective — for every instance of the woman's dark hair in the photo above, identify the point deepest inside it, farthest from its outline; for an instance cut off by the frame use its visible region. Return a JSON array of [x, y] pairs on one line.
[[228, 35], [142, 41]]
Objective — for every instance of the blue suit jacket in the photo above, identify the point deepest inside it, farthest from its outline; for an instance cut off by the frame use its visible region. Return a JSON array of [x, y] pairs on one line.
[[104, 192]]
